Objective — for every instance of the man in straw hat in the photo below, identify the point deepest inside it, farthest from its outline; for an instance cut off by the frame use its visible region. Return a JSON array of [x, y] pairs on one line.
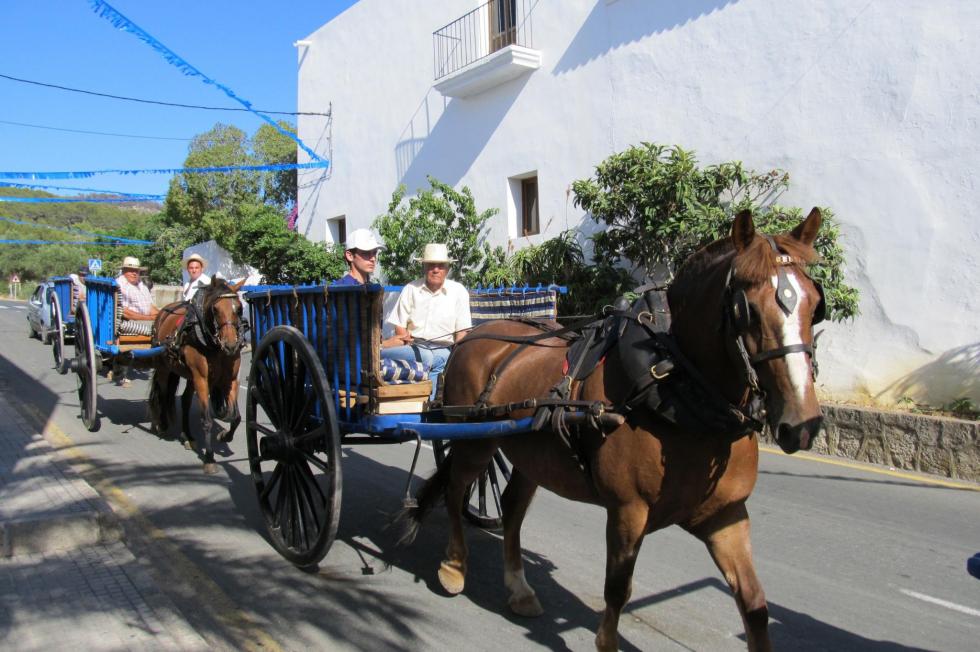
[[361, 253], [431, 315], [194, 265], [137, 308], [78, 286], [137, 304]]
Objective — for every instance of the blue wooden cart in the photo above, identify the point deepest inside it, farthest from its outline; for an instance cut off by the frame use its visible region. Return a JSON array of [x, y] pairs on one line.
[[316, 382], [63, 303], [98, 343]]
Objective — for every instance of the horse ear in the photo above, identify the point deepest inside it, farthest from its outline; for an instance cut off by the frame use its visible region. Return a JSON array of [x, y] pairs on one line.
[[806, 231], [238, 286], [743, 230]]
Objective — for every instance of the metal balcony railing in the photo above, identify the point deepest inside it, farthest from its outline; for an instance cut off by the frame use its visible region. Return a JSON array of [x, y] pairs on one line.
[[478, 34]]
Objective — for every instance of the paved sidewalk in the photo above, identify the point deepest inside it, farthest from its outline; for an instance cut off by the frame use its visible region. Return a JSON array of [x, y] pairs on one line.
[[67, 579]]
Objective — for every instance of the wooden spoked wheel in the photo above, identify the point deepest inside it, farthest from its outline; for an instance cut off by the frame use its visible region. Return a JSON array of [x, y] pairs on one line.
[[86, 366], [57, 336], [293, 446], [482, 503]]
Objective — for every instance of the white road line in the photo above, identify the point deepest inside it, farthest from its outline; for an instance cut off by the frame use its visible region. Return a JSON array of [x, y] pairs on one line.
[[942, 603]]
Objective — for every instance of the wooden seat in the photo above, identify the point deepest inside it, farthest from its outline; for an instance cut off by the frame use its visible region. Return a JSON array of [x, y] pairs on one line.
[[134, 339]]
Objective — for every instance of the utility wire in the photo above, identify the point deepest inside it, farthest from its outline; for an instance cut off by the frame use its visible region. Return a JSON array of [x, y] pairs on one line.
[[136, 99], [96, 133]]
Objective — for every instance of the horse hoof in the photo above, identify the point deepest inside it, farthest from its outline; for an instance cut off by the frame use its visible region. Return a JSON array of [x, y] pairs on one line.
[[527, 606], [451, 578], [189, 446], [225, 436], [210, 468]]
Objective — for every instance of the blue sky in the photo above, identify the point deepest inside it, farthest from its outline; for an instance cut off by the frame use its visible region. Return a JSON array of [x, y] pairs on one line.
[[243, 44]]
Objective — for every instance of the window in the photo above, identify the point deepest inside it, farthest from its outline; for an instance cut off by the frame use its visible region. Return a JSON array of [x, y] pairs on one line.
[[503, 23], [337, 229], [529, 206]]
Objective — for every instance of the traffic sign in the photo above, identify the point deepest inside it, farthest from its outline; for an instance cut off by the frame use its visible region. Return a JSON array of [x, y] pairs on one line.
[[95, 264]]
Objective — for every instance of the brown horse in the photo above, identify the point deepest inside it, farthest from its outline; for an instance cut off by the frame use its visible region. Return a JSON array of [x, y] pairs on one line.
[[204, 339], [742, 310]]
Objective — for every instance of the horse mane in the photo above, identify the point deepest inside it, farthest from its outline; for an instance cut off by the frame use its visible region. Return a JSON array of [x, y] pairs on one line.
[[754, 264], [757, 262], [215, 288]]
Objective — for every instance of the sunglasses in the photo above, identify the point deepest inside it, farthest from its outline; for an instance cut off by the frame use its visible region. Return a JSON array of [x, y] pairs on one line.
[[366, 254]]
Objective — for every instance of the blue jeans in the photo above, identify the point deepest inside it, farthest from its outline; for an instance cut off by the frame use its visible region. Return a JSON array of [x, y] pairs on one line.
[[432, 358]]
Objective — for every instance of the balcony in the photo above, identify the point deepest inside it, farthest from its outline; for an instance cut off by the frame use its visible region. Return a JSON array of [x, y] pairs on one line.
[[485, 48]]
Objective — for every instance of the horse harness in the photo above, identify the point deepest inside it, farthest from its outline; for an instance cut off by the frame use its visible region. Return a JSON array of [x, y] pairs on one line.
[[662, 379], [192, 329]]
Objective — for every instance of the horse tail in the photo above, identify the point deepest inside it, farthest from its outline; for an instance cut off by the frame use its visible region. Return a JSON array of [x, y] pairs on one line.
[[409, 519]]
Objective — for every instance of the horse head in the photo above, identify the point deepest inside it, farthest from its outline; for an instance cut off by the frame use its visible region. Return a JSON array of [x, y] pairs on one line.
[[774, 306], [764, 352], [223, 315]]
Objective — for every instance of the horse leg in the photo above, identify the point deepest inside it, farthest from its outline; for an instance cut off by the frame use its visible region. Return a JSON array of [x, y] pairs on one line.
[[514, 504], [469, 459], [625, 527], [156, 404], [185, 419], [204, 403], [728, 539], [233, 415]]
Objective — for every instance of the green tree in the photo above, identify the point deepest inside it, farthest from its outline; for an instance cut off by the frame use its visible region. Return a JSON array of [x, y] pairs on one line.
[[438, 214], [273, 148], [659, 207], [283, 256]]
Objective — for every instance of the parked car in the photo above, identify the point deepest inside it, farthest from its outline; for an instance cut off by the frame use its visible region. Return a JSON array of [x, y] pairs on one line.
[[39, 312]]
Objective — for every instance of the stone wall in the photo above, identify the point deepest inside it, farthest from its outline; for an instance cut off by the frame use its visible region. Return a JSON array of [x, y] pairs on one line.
[[938, 445]]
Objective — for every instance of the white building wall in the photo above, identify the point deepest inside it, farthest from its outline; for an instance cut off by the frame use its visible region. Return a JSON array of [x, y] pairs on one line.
[[872, 107]]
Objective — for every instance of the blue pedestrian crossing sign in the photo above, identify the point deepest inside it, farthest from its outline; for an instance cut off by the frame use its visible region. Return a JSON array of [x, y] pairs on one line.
[[94, 264]]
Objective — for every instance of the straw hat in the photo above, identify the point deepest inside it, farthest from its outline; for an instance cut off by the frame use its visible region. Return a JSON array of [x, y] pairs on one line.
[[131, 262], [362, 240], [436, 253], [196, 257]]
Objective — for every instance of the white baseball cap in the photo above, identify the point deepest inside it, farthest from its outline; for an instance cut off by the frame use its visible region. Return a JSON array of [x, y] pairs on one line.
[[362, 239]]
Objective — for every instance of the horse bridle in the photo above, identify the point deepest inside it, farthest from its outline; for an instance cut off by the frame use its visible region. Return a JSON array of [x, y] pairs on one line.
[[739, 318], [215, 336]]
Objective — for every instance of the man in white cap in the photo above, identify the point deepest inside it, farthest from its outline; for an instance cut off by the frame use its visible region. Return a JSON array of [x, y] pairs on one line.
[[431, 315], [361, 252], [194, 264]]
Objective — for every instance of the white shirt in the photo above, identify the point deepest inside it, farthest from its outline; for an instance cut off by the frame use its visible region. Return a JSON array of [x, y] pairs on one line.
[[190, 287], [433, 316]]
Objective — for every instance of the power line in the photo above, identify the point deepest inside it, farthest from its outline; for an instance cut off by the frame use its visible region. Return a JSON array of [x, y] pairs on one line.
[[136, 99], [96, 133]]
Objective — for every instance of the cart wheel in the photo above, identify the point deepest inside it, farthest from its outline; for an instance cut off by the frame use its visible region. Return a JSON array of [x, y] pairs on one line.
[[85, 368], [293, 446], [482, 505], [57, 336]]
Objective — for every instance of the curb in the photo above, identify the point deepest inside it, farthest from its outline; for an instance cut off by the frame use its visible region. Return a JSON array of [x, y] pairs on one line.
[[58, 534]]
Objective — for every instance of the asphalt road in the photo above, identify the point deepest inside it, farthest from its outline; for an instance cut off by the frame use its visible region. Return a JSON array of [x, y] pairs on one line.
[[852, 557]]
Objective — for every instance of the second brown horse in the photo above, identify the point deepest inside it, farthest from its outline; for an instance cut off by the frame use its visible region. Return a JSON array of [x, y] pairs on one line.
[[205, 339]]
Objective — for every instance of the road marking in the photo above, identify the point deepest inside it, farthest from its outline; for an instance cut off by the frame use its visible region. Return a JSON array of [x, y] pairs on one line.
[[871, 469], [238, 625], [942, 603]]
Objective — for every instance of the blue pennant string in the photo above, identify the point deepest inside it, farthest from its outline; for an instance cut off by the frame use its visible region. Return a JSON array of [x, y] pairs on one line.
[[228, 168], [66, 200], [105, 10], [117, 239], [134, 196], [65, 242]]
